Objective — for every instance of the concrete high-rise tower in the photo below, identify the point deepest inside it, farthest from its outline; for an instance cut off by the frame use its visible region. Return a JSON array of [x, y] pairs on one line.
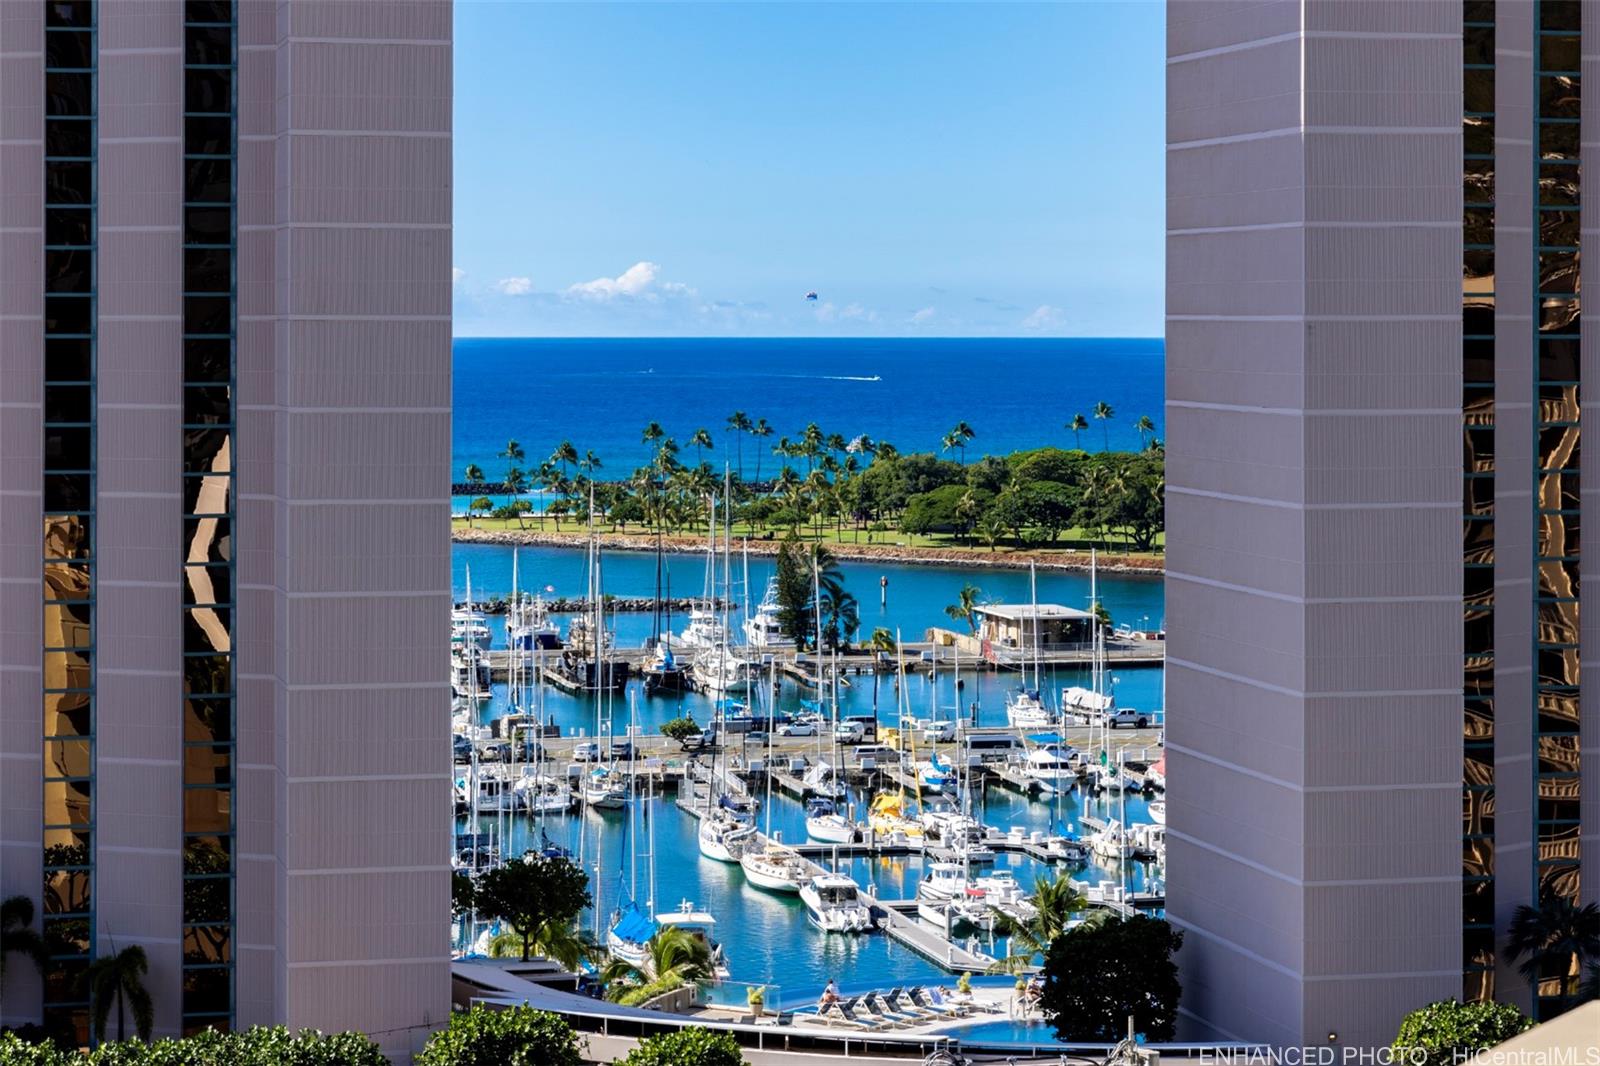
[[1381, 739], [224, 451]]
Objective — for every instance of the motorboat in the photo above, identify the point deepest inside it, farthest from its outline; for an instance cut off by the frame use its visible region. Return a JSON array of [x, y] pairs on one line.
[[469, 627], [529, 627], [629, 936], [774, 867], [1052, 765], [761, 629], [723, 835], [542, 795], [469, 674], [1002, 892], [698, 924], [605, 790], [943, 881], [705, 630], [1158, 812], [825, 823], [1025, 710], [720, 671], [833, 904], [1112, 843], [1156, 776]]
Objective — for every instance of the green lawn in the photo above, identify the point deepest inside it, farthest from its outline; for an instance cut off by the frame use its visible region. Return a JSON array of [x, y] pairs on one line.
[[1073, 540]]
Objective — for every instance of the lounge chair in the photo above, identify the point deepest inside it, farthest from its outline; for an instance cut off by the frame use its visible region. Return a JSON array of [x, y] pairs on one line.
[[879, 1004], [862, 1012], [906, 1003], [935, 1000], [836, 1013]]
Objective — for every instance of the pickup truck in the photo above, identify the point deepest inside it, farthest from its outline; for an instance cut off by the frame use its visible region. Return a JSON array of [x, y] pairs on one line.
[[1127, 716]]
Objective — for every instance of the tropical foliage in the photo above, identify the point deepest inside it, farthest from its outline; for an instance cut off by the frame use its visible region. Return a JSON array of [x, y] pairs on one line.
[[824, 480], [1554, 944], [118, 980], [516, 1036], [681, 729], [811, 593], [17, 934], [674, 958], [260, 1046], [527, 895], [1099, 974], [1450, 1032], [691, 1046], [1055, 902]]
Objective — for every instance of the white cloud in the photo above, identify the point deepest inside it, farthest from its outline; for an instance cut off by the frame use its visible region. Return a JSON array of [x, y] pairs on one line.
[[828, 311], [456, 274], [1044, 317], [922, 316], [642, 281], [515, 286]]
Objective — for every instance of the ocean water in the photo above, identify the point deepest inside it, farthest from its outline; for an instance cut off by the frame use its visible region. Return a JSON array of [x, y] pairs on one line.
[[600, 394]]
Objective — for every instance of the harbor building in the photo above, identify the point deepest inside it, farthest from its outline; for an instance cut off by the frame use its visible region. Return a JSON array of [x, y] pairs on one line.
[[1025, 626], [224, 448], [1381, 742]]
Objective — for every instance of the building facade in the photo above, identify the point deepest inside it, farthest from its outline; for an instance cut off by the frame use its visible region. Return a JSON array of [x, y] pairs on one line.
[[1381, 745], [224, 449]]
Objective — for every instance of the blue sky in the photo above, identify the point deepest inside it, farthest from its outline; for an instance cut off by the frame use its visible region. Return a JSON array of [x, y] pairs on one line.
[[667, 169]]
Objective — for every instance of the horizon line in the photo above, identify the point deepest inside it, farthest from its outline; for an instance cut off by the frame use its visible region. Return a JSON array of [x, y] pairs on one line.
[[785, 337]]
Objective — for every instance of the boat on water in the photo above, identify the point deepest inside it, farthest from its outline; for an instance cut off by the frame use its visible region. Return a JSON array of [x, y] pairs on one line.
[[720, 671], [1024, 710], [887, 817], [543, 795], [469, 674], [705, 630], [605, 789], [698, 924], [775, 867], [1054, 765], [724, 833], [833, 904], [529, 626], [943, 881], [936, 775], [825, 823], [1158, 812], [628, 938], [821, 780], [663, 672], [762, 629], [469, 627]]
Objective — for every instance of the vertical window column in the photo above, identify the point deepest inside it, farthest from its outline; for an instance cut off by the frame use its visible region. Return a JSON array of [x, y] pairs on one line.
[[209, 149], [1477, 561], [68, 518], [1558, 330]]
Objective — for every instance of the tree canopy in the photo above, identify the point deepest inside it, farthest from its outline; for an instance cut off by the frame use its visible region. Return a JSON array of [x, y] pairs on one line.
[[690, 1046], [1448, 1032], [516, 1036], [538, 889], [1099, 973]]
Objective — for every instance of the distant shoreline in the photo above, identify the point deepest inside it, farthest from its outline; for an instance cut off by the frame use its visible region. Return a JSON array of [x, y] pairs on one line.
[[1060, 560]]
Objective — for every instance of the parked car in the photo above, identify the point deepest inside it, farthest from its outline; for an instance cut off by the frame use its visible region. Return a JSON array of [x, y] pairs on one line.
[[586, 751], [623, 749], [1127, 716], [798, 729]]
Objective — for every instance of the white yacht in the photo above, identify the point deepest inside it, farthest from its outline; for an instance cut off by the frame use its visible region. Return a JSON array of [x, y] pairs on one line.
[[605, 790], [705, 630], [723, 835], [775, 867], [825, 823], [542, 795], [529, 628], [697, 924], [1052, 765], [469, 674], [720, 671], [1025, 710], [1158, 812], [833, 904], [943, 881], [761, 629], [468, 627]]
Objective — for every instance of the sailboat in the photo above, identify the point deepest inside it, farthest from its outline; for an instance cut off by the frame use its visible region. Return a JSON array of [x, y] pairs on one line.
[[663, 672], [725, 830], [632, 925], [719, 670], [775, 867], [825, 823], [1024, 708]]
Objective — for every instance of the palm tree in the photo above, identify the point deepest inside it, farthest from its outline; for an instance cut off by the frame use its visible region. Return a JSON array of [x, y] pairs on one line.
[[17, 934], [965, 609], [760, 431], [1147, 429], [1558, 934], [675, 953], [559, 942], [1056, 901], [120, 978], [589, 463], [958, 436], [1078, 425], [738, 424], [652, 433], [882, 640], [1103, 414], [516, 485], [564, 454], [700, 438], [474, 479]]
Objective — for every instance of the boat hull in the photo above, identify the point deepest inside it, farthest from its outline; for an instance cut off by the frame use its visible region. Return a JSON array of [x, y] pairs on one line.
[[761, 877]]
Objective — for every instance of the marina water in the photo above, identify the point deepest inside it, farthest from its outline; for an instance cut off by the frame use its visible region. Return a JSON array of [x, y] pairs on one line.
[[760, 931]]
